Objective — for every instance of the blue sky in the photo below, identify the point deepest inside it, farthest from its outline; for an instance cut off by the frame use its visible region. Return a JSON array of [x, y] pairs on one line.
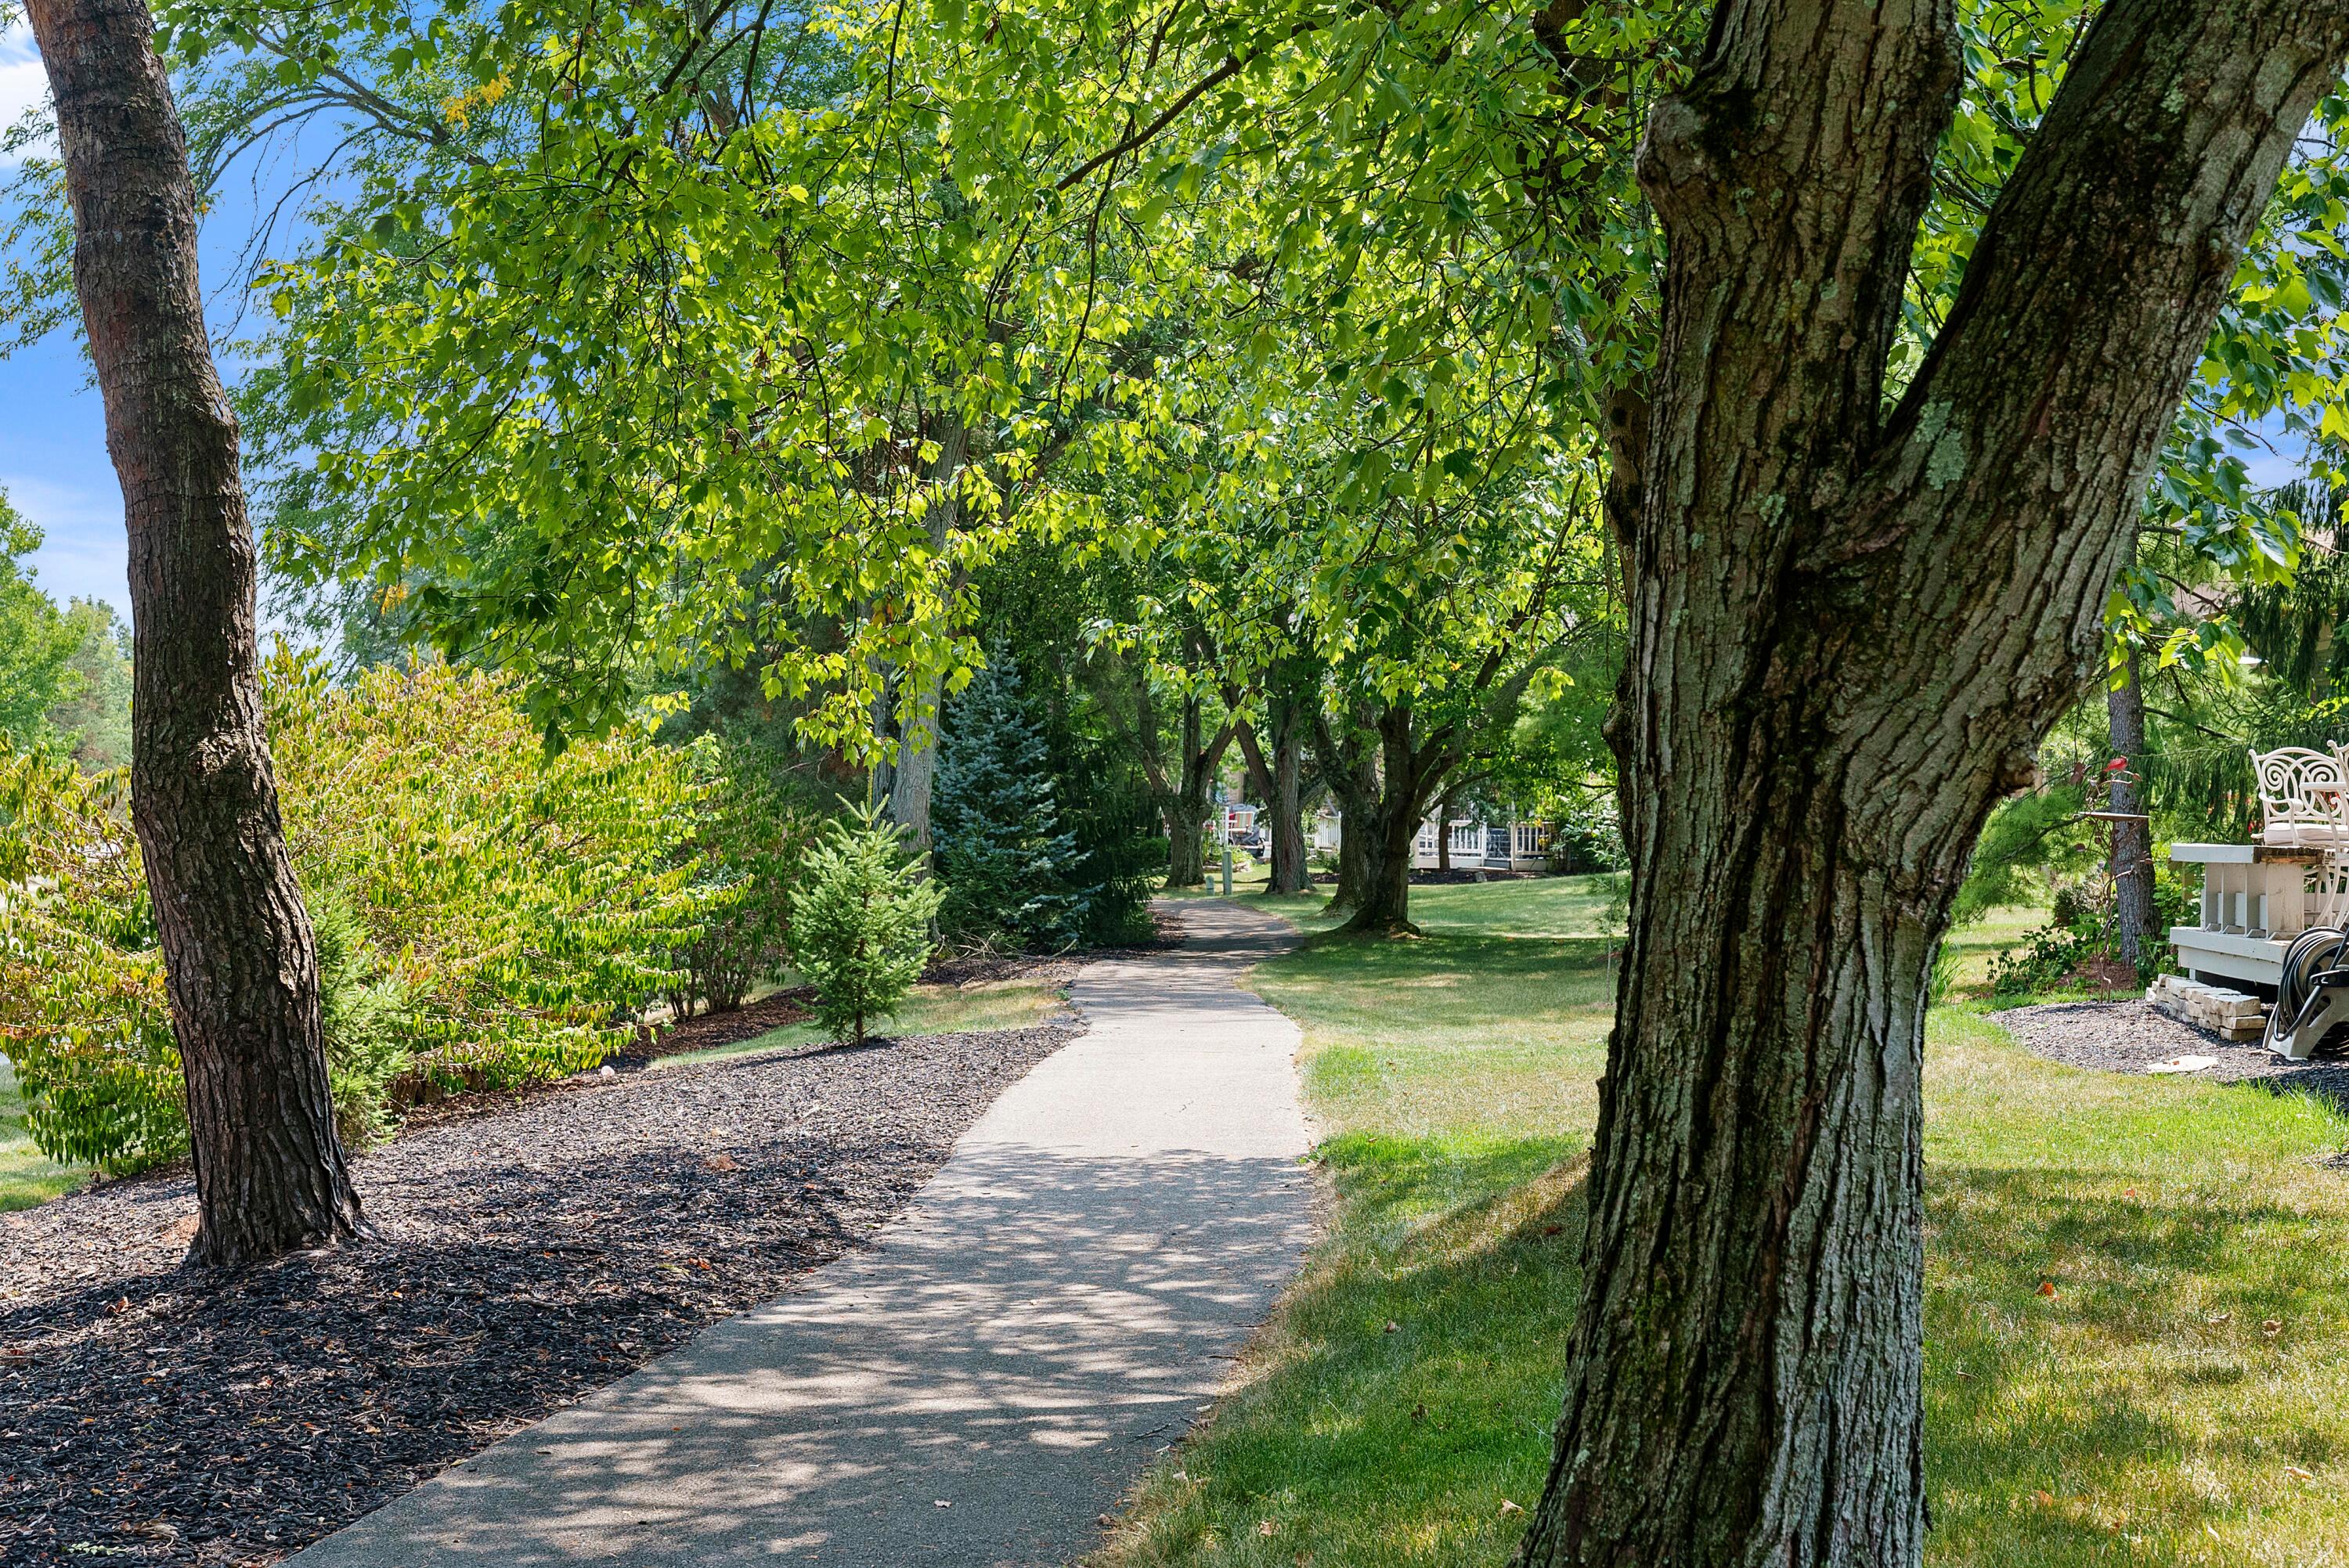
[[53, 460]]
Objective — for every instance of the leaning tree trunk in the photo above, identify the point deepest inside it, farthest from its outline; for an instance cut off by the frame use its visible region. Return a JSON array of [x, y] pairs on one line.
[[1848, 629], [2132, 867], [240, 965]]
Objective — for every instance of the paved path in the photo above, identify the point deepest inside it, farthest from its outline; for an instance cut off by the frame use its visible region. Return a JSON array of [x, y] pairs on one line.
[[1056, 1305]]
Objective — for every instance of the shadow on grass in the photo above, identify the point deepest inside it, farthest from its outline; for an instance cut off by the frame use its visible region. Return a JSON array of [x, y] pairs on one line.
[[2108, 1413], [1415, 1369]]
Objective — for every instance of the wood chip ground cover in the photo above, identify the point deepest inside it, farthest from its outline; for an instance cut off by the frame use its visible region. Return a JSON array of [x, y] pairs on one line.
[[2129, 1038], [152, 1413]]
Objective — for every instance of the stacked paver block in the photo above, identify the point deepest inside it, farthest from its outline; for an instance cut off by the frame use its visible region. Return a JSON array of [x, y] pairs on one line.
[[2232, 1014]]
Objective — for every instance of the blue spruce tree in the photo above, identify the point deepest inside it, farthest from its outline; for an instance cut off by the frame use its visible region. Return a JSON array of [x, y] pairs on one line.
[[1013, 875]]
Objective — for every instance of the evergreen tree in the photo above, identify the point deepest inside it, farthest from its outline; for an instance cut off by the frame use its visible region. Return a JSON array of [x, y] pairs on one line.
[[1012, 870], [861, 925]]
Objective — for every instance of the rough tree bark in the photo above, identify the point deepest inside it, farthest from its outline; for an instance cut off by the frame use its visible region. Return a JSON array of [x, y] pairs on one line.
[[2132, 841], [239, 956], [1849, 626], [1277, 778], [1184, 792], [1383, 792], [1290, 872]]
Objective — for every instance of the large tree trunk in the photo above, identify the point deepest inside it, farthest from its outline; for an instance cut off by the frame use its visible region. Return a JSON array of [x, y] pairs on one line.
[[2132, 841], [1848, 631], [1384, 802], [1350, 769], [239, 957], [1278, 777], [1186, 800]]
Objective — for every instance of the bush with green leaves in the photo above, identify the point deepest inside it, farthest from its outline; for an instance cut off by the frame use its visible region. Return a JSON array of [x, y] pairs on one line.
[[749, 836], [861, 922], [1013, 874], [527, 906], [486, 914], [83, 1011]]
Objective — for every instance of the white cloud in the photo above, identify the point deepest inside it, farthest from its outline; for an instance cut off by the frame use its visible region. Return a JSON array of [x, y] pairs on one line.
[[83, 553], [23, 83]]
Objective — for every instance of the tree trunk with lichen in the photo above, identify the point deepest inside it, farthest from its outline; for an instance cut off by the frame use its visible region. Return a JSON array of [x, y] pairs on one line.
[[1850, 624], [240, 961]]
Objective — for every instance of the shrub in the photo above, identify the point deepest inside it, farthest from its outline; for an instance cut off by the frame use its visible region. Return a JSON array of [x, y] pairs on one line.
[[748, 839], [363, 1016], [83, 1011], [861, 924], [486, 914], [528, 907]]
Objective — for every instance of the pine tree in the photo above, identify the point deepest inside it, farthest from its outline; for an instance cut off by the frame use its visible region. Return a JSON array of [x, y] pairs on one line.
[[861, 924], [1012, 872]]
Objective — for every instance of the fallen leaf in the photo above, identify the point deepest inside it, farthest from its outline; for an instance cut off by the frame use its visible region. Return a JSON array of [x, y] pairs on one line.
[[1265, 1528], [2297, 1473], [2271, 1327], [2047, 1287], [721, 1160], [1552, 1230], [1419, 1412], [1509, 1506], [2043, 1498], [1103, 1521], [1393, 1327], [2128, 1191], [2218, 1317]]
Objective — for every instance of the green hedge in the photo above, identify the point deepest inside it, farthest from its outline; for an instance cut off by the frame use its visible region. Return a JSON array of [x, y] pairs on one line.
[[492, 916]]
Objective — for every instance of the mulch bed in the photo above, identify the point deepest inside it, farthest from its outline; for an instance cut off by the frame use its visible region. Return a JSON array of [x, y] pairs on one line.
[[712, 1030], [529, 1253], [2130, 1036]]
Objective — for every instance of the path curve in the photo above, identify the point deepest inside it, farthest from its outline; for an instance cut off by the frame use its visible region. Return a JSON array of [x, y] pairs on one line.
[[1059, 1303]]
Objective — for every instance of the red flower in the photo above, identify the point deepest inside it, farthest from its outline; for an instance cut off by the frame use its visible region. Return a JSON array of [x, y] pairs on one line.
[[2116, 764]]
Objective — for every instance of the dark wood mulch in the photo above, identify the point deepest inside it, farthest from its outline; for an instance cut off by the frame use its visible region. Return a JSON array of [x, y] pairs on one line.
[[2129, 1037], [150, 1412]]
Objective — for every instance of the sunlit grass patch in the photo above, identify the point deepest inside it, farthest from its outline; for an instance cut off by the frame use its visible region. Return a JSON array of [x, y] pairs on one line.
[[2136, 1316], [27, 1175], [2181, 1397]]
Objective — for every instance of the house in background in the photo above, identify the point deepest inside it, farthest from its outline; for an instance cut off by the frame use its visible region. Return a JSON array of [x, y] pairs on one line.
[[1512, 845]]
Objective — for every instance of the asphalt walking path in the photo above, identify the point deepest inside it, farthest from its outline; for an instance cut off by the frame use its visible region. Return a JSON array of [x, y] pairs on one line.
[[1059, 1304]]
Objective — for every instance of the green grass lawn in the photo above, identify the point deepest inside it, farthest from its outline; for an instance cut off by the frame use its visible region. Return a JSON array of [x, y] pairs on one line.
[[2144, 1413], [928, 1010], [27, 1175]]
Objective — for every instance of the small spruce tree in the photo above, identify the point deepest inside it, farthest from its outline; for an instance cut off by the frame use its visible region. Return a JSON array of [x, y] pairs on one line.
[[1012, 871], [861, 924]]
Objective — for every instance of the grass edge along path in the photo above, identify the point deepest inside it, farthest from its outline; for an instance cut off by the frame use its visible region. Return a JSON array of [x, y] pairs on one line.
[[2137, 1289]]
